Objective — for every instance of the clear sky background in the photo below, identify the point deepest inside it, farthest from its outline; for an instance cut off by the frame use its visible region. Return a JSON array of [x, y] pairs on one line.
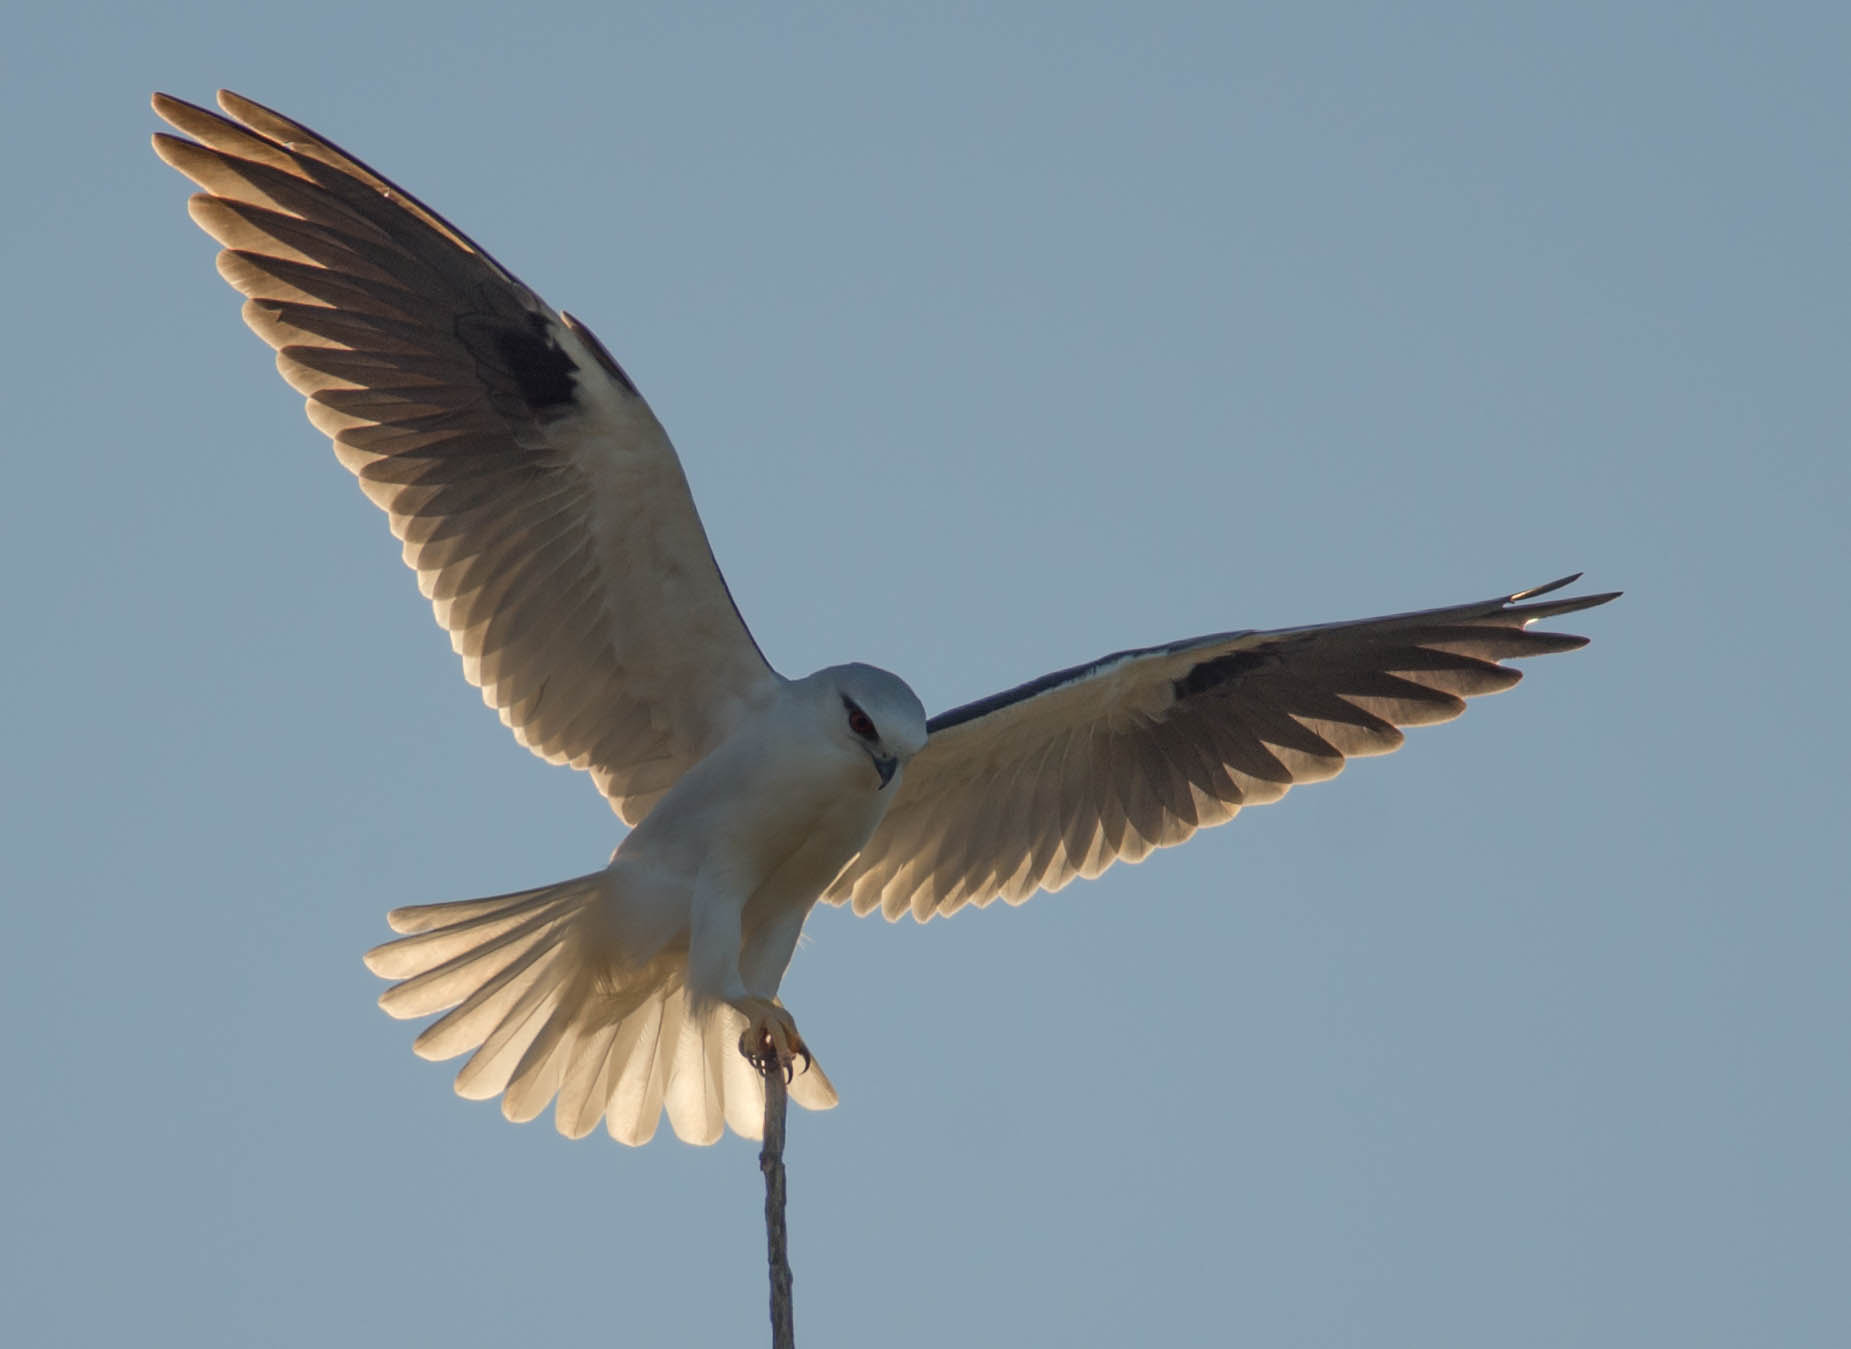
[[993, 337]]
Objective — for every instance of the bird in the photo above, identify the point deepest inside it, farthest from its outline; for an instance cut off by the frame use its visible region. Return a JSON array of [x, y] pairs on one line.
[[552, 528]]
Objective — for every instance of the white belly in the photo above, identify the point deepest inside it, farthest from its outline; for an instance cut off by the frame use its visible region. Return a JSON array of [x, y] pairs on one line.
[[767, 825]]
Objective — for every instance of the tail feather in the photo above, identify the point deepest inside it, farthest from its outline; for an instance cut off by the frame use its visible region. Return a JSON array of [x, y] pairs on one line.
[[468, 1024], [452, 980], [553, 1015], [810, 1088], [587, 1084], [623, 1077], [693, 1088], [636, 1102], [424, 917], [489, 1068], [537, 1077], [744, 1088]]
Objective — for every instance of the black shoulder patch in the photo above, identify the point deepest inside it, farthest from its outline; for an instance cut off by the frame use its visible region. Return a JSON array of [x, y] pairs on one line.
[[1220, 672], [542, 373]]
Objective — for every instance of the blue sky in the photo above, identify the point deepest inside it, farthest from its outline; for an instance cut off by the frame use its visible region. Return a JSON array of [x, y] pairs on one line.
[[993, 338]]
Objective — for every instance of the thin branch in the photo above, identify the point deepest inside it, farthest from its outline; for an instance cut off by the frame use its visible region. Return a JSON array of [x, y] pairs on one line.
[[777, 1243]]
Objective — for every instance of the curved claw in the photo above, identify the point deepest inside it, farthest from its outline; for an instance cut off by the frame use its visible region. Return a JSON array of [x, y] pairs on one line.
[[771, 1039], [764, 1053], [767, 1055]]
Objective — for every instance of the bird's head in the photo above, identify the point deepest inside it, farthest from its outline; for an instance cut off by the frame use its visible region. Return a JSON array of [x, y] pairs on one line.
[[873, 712]]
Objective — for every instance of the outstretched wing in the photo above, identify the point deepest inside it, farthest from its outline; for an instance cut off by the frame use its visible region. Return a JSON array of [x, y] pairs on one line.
[[1067, 774], [538, 498]]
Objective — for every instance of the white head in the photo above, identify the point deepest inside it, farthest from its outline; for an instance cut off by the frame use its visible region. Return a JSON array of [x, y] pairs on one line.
[[872, 711]]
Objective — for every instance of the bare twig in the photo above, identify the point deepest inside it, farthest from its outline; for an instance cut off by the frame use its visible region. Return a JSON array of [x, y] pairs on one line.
[[777, 1244]]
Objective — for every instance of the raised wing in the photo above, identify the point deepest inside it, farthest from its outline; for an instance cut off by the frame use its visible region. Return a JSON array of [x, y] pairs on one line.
[[538, 498], [1069, 773]]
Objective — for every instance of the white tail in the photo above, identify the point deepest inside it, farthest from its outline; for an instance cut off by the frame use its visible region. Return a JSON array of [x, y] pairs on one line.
[[528, 984]]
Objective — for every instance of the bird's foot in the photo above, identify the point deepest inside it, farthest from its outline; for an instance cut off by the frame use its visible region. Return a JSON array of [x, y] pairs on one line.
[[771, 1038]]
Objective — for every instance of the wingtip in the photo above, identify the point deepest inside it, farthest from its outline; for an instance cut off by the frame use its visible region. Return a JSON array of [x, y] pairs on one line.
[[168, 148], [1553, 608], [1592, 601], [170, 106], [1544, 589], [260, 117], [171, 110]]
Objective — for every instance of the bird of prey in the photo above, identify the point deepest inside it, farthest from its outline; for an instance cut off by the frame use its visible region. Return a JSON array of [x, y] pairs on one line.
[[549, 523]]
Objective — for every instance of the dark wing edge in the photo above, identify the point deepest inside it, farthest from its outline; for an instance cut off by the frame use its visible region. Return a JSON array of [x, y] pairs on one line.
[[507, 445], [1059, 777]]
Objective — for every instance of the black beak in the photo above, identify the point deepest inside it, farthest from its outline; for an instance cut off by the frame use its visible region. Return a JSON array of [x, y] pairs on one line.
[[886, 768]]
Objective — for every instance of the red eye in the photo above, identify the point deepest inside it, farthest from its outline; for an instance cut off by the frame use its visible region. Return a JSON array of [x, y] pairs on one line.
[[860, 723]]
